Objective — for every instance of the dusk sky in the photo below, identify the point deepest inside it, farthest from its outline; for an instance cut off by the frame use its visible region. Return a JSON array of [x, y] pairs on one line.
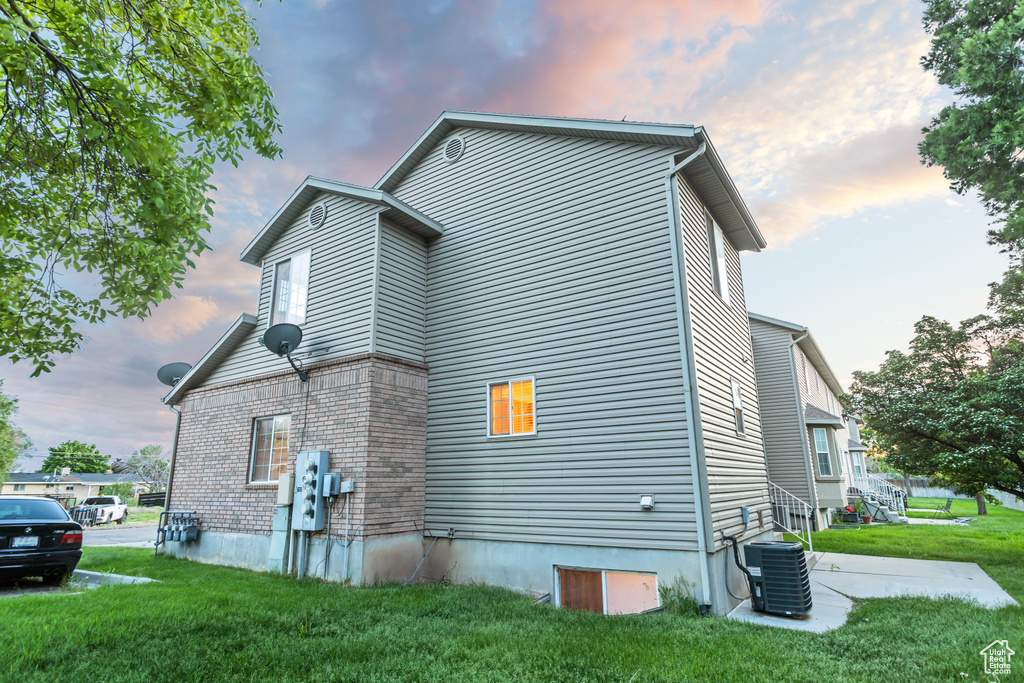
[[815, 107]]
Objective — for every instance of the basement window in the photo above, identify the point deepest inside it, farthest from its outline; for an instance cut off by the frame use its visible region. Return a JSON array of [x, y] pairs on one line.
[[510, 408], [607, 592], [291, 288], [269, 448]]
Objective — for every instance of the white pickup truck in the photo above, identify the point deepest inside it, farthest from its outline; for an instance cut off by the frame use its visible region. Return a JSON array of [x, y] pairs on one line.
[[108, 509]]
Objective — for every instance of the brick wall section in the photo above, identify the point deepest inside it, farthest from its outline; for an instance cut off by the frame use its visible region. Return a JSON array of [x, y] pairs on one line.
[[368, 411]]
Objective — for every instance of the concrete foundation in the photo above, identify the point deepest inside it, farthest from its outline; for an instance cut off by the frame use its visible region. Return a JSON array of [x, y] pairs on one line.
[[528, 567], [371, 561]]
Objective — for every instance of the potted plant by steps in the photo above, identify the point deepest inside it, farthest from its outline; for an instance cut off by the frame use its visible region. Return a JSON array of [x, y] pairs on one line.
[[862, 512]]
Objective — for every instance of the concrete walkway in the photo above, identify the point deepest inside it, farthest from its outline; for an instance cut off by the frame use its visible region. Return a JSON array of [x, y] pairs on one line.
[[959, 521], [837, 577]]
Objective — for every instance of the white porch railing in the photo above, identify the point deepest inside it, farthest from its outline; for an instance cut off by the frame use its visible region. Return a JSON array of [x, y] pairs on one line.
[[792, 514], [882, 491]]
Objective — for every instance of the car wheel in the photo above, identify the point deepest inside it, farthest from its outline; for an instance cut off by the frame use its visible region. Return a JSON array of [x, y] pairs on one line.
[[124, 518]]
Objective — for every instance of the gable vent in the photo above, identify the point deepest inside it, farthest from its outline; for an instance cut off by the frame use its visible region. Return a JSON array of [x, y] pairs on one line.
[[317, 215], [454, 149]]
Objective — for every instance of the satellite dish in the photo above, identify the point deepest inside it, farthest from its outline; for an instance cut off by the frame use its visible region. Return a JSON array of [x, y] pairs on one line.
[[172, 372], [282, 339]]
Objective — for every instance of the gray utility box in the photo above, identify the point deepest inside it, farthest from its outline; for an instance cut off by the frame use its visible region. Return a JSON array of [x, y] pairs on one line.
[[779, 580], [310, 505]]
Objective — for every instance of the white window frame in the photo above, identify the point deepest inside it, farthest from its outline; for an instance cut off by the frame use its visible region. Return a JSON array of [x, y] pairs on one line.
[[739, 414], [19, 487], [252, 447], [273, 288], [604, 582], [533, 386], [818, 453], [858, 462], [718, 261]]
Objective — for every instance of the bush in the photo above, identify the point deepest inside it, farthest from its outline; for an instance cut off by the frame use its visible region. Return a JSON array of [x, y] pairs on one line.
[[123, 489]]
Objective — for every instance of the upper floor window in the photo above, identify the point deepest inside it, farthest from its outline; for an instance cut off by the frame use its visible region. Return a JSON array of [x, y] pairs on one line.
[[291, 286], [737, 406], [807, 377], [270, 448], [510, 408], [719, 272], [19, 487], [821, 448]]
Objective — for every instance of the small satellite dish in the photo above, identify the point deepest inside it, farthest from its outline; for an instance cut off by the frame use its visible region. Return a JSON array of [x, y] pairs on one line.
[[172, 372], [282, 339]]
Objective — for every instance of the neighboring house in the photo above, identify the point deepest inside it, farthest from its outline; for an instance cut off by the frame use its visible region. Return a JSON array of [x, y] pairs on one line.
[[528, 324], [857, 450], [66, 486], [806, 438]]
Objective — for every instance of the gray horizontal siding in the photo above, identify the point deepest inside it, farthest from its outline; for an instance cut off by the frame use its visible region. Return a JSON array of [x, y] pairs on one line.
[[401, 293], [788, 462], [735, 464], [555, 263], [814, 394], [338, 309]]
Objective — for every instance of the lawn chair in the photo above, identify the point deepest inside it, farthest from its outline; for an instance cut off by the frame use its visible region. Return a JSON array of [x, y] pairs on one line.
[[944, 510]]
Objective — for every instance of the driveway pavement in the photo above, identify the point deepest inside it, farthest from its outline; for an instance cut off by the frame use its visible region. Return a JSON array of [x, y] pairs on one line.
[[131, 536], [837, 579]]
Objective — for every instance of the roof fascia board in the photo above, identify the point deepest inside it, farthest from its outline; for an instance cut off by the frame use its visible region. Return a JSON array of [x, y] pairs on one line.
[[450, 119], [730, 189], [775, 321], [253, 252], [174, 396], [810, 346], [683, 134]]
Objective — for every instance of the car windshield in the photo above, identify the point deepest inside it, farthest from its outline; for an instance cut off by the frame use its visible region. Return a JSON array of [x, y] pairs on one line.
[[98, 501], [31, 509]]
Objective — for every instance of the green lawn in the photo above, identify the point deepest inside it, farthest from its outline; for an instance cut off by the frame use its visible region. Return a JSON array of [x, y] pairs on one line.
[[139, 514], [995, 541], [209, 623]]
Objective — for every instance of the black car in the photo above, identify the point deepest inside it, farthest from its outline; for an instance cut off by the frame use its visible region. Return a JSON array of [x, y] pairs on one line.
[[37, 538]]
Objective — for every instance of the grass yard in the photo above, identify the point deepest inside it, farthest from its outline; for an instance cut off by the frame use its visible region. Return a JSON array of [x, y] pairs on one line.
[[138, 514], [995, 541], [209, 623]]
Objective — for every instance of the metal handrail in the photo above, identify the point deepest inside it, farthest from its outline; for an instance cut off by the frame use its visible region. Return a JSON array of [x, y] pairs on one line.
[[792, 514], [891, 496]]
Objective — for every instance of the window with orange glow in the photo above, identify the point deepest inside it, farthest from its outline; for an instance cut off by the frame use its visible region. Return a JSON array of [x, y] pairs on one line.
[[511, 408]]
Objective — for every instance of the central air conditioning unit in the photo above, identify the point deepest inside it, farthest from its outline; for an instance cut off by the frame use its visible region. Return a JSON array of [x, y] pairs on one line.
[[779, 581]]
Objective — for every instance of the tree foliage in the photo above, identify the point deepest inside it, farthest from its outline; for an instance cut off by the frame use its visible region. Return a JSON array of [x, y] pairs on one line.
[[13, 442], [953, 407], [113, 115], [977, 50], [148, 464], [80, 457]]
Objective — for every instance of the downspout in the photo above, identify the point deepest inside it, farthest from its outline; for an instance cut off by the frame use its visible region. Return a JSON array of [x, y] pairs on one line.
[[686, 347], [174, 452], [812, 493]]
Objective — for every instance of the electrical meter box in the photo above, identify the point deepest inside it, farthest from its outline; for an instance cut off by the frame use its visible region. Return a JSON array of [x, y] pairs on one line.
[[310, 505]]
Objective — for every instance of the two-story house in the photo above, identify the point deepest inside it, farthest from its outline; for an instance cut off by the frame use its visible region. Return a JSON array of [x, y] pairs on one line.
[[527, 346], [804, 422]]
